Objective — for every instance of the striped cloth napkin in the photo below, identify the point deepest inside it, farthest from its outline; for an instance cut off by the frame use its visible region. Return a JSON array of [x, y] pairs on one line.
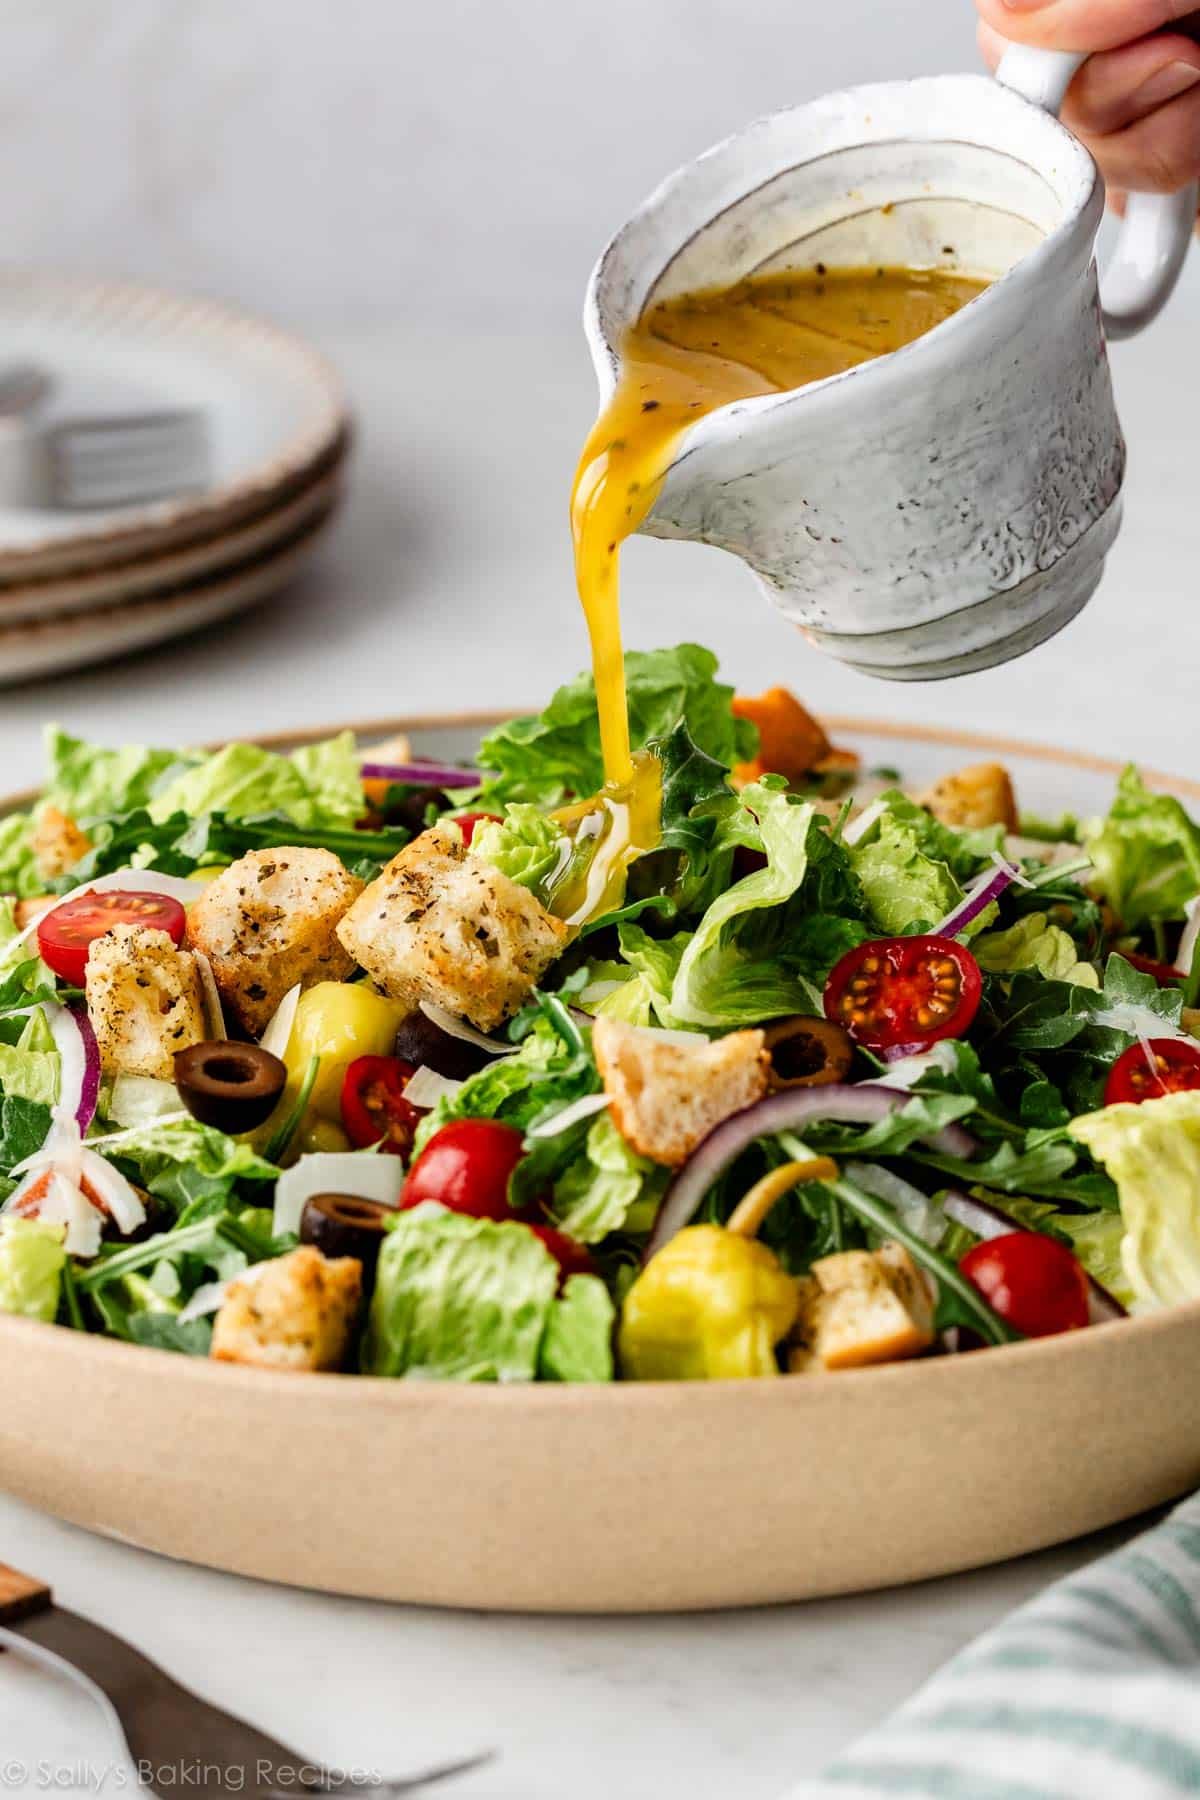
[[1089, 1692]]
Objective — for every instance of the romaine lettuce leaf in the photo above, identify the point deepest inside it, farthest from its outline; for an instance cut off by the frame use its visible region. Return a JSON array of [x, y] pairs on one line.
[[190, 1166], [906, 889], [547, 758], [753, 955], [601, 1186], [578, 1341], [1145, 853], [1152, 1152], [526, 845], [553, 1067], [31, 1265], [458, 1298], [1034, 943], [86, 780], [318, 785], [18, 867]]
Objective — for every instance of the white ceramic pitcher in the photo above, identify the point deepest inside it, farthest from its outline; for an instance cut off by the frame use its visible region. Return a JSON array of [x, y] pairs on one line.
[[950, 505]]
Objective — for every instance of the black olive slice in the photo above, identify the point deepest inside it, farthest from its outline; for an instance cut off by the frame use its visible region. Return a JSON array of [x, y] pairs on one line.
[[423, 1044], [346, 1225], [233, 1087], [807, 1051]]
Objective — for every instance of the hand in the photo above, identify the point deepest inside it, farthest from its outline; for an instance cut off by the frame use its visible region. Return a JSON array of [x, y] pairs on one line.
[[1136, 102]]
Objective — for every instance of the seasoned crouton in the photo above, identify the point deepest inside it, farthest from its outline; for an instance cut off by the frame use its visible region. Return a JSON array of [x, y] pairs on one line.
[[975, 797], [144, 1001], [859, 1307], [442, 925], [296, 1312], [666, 1095], [58, 843], [269, 921]]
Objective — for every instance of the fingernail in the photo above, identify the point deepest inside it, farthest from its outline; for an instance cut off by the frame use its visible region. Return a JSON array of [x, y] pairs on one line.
[[1167, 84]]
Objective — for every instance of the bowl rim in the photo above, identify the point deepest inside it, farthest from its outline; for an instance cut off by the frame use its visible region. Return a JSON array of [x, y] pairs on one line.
[[374, 1393]]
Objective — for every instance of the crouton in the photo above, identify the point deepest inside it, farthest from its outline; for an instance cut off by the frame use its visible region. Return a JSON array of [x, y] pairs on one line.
[[442, 925], [296, 1312], [57, 843], [790, 741], [269, 921], [860, 1307], [26, 911], [144, 1001], [972, 798], [665, 1095]]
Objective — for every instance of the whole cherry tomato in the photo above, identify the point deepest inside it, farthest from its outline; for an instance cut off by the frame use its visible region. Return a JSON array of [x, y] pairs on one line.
[[1159, 1066], [905, 990], [466, 1166], [1034, 1282], [65, 936], [468, 821], [374, 1110]]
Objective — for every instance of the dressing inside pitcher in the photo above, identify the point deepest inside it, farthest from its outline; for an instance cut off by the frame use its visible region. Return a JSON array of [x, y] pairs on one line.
[[687, 356]]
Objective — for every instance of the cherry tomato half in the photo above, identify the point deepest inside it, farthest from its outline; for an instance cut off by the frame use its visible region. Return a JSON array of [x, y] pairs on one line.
[[1160, 1066], [374, 1110], [466, 1166], [66, 935], [905, 990], [467, 823], [1034, 1282]]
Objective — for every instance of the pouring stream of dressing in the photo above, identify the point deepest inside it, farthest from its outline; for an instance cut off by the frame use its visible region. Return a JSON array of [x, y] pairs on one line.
[[684, 358]]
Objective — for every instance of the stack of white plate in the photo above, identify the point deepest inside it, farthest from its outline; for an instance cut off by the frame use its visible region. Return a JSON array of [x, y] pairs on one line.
[[79, 587]]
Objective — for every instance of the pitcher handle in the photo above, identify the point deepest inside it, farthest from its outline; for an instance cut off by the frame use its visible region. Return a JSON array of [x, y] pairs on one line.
[[1157, 228]]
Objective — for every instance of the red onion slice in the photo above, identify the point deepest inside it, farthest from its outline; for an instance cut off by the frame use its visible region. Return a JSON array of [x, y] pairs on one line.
[[988, 1222], [983, 890], [862, 1104], [79, 1062], [422, 774]]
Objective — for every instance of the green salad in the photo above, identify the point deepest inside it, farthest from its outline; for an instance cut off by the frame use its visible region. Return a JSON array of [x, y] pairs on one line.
[[762, 1064]]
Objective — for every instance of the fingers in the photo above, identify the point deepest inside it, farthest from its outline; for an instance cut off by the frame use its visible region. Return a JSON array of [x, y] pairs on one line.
[[1159, 154], [1137, 108], [1080, 24], [1121, 87]]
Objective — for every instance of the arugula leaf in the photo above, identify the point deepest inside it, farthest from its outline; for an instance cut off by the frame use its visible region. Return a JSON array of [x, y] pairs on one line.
[[555, 755]]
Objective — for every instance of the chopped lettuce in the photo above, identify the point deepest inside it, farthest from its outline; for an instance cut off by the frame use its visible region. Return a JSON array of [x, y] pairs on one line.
[[578, 1341], [526, 846], [601, 1187], [906, 888], [18, 866], [190, 1166], [31, 1266], [1152, 1152], [552, 756], [765, 945], [321, 784], [1145, 853], [1034, 943], [29, 1074], [459, 1298]]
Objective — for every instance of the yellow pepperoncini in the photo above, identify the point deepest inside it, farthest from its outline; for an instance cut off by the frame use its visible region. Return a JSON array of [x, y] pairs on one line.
[[713, 1303], [338, 1021]]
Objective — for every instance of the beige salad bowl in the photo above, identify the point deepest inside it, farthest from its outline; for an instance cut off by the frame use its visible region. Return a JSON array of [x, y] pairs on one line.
[[630, 1498]]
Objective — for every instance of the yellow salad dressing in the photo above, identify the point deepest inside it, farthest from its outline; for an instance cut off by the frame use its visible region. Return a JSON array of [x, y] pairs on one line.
[[682, 359]]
